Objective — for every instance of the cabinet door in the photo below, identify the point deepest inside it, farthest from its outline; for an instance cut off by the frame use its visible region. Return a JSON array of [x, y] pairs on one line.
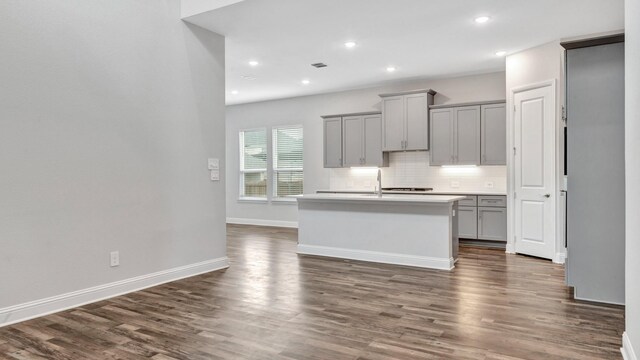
[[493, 138], [492, 223], [373, 140], [393, 123], [417, 122], [352, 143], [467, 222], [441, 152], [467, 135], [333, 142]]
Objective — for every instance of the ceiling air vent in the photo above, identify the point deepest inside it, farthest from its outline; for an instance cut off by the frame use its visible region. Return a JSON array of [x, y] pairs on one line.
[[319, 65]]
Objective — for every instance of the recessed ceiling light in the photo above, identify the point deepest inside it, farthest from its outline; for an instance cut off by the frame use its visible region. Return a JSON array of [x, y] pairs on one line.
[[254, 63], [482, 19], [391, 68], [501, 53], [306, 82], [349, 44], [234, 92]]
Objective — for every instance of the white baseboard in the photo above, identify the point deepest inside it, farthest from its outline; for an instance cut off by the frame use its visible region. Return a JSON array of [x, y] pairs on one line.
[[21, 312], [510, 249], [560, 258], [379, 257], [627, 349], [260, 222]]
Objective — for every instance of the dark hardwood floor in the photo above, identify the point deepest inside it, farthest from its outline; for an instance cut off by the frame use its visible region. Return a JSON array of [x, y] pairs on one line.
[[273, 304]]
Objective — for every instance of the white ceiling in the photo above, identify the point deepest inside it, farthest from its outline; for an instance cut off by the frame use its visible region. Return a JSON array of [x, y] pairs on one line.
[[422, 38]]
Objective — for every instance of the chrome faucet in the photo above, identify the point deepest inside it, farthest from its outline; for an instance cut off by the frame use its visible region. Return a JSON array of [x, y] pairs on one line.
[[379, 183]]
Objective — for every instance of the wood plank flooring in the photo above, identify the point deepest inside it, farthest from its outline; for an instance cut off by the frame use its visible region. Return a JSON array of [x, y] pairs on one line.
[[273, 304]]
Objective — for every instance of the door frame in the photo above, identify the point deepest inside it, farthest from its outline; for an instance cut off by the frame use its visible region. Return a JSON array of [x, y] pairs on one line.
[[560, 250]]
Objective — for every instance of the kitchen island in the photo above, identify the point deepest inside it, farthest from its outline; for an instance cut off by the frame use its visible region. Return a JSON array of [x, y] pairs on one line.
[[412, 230]]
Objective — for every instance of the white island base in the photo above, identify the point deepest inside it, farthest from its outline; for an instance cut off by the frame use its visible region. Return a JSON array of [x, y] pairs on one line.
[[412, 230]]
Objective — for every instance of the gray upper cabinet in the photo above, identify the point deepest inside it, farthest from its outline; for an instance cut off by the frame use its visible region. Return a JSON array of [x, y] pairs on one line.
[[493, 135], [466, 139], [362, 141], [441, 137], [373, 155], [470, 134], [417, 122], [393, 110], [405, 118], [455, 136], [333, 142], [354, 140]]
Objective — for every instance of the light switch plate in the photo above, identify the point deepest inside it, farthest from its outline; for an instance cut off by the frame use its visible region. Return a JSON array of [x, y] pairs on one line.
[[213, 164], [488, 184], [455, 184], [215, 175]]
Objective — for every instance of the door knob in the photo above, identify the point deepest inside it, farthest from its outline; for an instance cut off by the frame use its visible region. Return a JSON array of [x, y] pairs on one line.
[[547, 195]]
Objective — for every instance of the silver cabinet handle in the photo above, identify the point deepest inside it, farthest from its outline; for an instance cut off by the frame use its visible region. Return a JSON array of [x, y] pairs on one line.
[[547, 195]]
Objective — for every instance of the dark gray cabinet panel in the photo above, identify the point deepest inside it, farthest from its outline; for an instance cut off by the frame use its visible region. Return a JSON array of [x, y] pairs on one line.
[[372, 153], [441, 152], [467, 135], [492, 223], [417, 122], [493, 134], [393, 119], [467, 222], [352, 141], [333, 142]]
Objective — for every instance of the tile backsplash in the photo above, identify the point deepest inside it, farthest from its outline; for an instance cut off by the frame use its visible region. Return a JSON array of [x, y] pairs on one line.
[[411, 169]]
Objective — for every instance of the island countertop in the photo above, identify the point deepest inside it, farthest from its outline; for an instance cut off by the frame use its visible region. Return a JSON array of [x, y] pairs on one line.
[[388, 198]]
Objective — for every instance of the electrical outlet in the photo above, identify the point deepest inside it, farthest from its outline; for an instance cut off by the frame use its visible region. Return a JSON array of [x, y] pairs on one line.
[[215, 175], [213, 164], [455, 184], [488, 184], [115, 258]]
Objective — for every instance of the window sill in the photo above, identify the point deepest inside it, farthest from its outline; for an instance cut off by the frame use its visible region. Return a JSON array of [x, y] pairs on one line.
[[253, 200], [285, 200]]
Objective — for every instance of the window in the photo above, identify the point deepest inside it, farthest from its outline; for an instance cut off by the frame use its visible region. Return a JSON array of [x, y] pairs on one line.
[[253, 163], [287, 161]]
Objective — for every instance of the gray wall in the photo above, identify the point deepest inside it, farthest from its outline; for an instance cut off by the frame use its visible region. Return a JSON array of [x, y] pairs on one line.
[[632, 172], [307, 111], [595, 151], [108, 113]]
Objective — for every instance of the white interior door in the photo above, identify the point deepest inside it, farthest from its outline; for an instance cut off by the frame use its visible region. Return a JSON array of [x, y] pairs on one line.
[[534, 165]]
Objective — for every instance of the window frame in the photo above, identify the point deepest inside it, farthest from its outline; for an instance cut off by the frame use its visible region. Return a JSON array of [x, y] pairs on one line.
[[274, 170], [242, 171], [271, 171]]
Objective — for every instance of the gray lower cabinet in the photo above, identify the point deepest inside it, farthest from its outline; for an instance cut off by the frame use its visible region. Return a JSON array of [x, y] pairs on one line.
[[493, 135], [332, 142], [468, 222], [483, 217], [492, 223]]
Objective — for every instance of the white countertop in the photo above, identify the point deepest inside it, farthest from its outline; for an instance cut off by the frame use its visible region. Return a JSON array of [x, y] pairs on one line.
[[434, 192], [385, 198]]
